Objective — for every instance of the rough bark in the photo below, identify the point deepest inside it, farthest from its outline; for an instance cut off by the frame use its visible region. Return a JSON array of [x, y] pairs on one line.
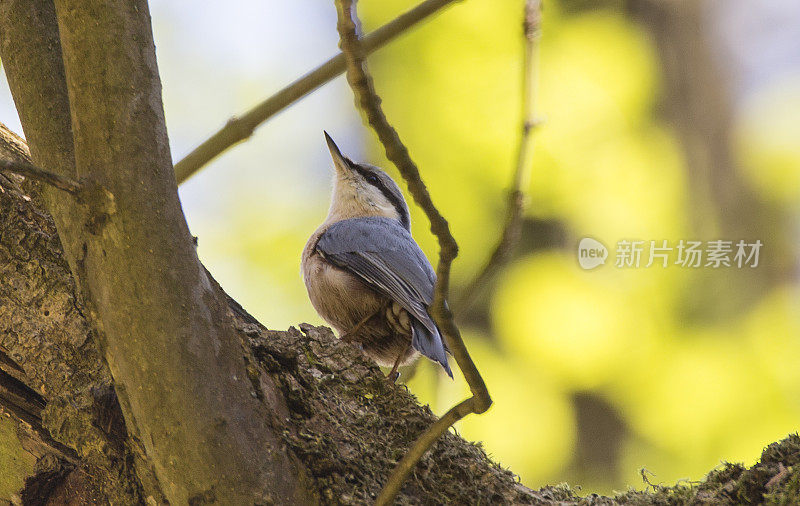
[[52, 378]]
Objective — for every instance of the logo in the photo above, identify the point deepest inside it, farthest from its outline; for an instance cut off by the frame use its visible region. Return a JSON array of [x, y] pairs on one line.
[[688, 254], [591, 253]]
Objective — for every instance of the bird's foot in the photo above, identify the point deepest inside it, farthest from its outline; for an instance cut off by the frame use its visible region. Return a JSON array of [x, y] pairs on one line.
[[393, 376]]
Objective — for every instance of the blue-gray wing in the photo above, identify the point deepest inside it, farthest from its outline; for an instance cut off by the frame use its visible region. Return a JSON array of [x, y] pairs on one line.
[[383, 254]]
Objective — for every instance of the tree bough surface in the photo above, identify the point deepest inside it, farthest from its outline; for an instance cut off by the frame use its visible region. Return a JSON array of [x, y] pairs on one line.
[[337, 415]]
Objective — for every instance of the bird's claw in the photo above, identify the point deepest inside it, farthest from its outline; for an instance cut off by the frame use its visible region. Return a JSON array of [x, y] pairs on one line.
[[393, 376]]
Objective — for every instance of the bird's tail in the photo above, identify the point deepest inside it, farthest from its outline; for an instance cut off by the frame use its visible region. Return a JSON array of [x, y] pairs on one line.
[[429, 344]]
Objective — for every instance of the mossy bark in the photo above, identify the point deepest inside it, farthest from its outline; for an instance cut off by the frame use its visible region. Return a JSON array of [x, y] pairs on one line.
[[52, 378]]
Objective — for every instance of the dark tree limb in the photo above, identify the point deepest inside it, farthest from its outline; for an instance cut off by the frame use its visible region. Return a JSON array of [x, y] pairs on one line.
[[27, 406], [512, 228], [370, 103], [31, 171], [240, 128]]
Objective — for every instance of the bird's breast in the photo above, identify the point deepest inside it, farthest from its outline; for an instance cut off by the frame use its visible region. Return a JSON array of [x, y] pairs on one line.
[[381, 326], [340, 297]]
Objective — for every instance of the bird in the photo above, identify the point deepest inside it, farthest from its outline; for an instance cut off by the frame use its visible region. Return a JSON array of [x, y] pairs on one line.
[[365, 274]]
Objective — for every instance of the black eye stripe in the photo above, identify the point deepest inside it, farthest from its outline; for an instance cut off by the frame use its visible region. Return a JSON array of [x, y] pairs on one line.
[[375, 181]]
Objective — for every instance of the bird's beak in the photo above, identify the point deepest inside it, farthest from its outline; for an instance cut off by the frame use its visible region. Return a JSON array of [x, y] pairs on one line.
[[341, 162]]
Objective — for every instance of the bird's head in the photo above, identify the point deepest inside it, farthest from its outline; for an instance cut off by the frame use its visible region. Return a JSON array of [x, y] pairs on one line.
[[361, 190]]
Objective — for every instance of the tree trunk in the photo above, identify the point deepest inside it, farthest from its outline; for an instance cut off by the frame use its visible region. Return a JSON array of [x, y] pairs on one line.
[[698, 102]]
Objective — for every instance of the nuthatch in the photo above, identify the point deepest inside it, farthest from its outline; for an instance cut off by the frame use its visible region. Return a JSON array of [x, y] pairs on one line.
[[364, 273]]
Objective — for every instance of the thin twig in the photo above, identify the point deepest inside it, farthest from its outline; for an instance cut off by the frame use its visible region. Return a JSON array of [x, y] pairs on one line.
[[241, 128], [370, 103], [512, 228], [33, 172]]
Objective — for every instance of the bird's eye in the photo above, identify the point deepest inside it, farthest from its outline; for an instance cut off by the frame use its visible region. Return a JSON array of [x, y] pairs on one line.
[[372, 178]]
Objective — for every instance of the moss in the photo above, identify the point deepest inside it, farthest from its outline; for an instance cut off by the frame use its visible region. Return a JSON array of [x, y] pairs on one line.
[[350, 427], [44, 333], [775, 479]]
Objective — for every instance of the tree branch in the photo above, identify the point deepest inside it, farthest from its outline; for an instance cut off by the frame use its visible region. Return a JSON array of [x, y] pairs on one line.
[[33, 172], [241, 128], [370, 103], [512, 228], [26, 405]]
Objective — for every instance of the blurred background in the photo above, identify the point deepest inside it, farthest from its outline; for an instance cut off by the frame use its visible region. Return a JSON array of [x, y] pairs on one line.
[[664, 120]]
